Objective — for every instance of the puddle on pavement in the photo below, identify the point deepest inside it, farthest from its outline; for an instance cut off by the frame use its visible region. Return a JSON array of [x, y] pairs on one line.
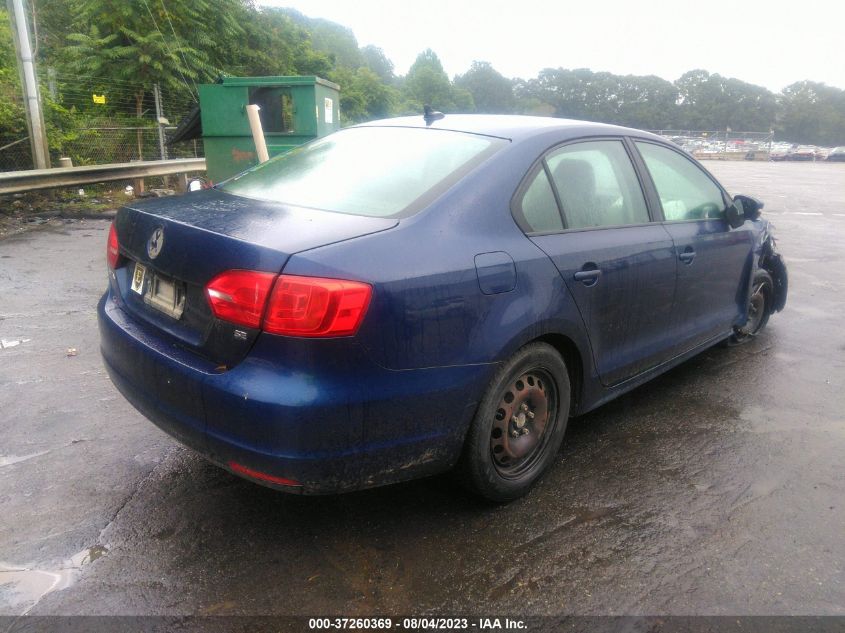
[[6, 343], [22, 587], [8, 460]]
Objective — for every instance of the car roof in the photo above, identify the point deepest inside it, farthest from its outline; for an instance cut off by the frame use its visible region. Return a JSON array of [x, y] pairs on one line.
[[512, 127]]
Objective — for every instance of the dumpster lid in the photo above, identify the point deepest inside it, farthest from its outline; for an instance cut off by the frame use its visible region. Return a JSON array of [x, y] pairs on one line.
[[190, 127]]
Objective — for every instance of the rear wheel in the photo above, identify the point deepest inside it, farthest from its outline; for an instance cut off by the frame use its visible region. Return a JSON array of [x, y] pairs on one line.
[[759, 308], [519, 425]]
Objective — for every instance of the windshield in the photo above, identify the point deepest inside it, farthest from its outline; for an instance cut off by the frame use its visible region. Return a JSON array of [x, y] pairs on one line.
[[375, 171]]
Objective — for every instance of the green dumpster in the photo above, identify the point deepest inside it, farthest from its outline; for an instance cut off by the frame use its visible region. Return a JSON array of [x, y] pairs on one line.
[[293, 111]]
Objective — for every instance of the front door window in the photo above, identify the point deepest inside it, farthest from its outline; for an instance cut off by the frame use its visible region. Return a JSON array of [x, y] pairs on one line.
[[686, 192]]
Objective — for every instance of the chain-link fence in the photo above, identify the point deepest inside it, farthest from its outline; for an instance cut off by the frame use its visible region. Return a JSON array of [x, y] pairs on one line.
[[93, 124], [113, 144], [14, 153], [100, 145]]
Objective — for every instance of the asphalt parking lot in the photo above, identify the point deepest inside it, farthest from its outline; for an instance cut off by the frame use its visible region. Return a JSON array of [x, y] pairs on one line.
[[718, 488]]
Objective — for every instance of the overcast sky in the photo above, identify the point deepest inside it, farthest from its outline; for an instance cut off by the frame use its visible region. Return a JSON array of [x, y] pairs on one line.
[[770, 43]]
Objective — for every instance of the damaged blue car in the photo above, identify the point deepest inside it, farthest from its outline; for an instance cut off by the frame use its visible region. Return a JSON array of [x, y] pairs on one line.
[[424, 294]]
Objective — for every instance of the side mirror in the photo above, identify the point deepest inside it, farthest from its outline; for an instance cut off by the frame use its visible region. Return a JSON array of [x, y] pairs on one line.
[[734, 215], [748, 206]]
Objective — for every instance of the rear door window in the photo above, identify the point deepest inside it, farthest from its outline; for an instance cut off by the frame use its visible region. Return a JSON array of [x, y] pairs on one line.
[[597, 185], [539, 208]]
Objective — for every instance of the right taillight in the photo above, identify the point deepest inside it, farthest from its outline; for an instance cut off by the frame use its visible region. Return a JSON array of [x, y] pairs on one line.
[[112, 248], [316, 306], [296, 306]]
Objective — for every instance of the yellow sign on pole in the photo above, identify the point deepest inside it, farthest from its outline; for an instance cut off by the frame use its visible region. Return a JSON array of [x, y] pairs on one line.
[[101, 99]]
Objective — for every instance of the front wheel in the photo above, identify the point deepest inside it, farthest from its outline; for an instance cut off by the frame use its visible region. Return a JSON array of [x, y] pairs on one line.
[[759, 308], [519, 425]]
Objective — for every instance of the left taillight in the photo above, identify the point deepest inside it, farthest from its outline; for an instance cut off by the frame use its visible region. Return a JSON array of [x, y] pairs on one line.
[[112, 248], [239, 296]]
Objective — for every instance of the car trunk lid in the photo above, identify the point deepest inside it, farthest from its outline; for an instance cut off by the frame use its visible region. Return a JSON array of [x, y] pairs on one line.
[[174, 247]]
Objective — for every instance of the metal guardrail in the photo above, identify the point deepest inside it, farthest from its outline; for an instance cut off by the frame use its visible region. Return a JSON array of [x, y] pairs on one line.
[[30, 179]]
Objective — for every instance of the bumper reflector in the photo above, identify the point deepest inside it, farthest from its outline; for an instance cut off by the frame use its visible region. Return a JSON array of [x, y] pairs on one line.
[[254, 474]]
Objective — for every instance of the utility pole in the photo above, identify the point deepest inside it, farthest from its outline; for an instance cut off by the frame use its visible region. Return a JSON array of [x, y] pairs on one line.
[[29, 83]]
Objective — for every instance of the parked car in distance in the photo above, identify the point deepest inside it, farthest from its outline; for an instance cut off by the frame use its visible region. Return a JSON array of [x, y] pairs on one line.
[[421, 294], [779, 153], [802, 152], [836, 154]]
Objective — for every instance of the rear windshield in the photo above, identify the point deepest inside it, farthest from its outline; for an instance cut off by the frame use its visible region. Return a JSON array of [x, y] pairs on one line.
[[375, 171]]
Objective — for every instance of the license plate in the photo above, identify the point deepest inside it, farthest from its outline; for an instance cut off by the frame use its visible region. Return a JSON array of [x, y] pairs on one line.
[[138, 278]]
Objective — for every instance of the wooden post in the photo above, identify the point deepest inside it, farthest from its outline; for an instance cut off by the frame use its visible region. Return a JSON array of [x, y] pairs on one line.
[[257, 133]]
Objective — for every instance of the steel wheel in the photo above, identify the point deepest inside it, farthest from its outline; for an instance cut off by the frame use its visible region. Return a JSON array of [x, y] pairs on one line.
[[759, 309], [519, 425], [756, 309], [521, 421]]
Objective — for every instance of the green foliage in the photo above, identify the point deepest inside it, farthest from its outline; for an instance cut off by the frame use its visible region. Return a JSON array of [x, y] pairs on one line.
[[713, 102], [583, 94], [492, 93], [274, 44], [813, 113], [336, 41], [12, 121], [375, 59], [62, 126], [427, 84], [123, 47], [142, 43], [7, 51], [696, 101], [58, 121], [363, 96]]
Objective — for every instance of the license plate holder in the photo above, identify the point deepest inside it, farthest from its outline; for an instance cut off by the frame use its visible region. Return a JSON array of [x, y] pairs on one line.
[[165, 294]]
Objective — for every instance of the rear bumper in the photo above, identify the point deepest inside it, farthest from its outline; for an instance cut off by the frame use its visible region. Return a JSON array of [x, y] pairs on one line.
[[328, 418]]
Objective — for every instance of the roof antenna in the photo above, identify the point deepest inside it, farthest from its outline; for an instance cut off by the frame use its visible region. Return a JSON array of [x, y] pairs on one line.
[[430, 115]]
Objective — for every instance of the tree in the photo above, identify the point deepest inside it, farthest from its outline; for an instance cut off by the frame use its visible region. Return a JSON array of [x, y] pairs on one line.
[[336, 41], [713, 102], [645, 102], [427, 84], [571, 93], [375, 59], [149, 44], [812, 112], [61, 125], [363, 97], [12, 118], [273, 44], [176, 43], [492, 93]]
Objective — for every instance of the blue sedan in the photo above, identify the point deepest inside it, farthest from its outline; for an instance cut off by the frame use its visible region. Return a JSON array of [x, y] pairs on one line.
[[422, 294]]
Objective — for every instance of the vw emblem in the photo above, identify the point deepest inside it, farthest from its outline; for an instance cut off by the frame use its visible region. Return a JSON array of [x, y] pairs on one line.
[[155, 243]]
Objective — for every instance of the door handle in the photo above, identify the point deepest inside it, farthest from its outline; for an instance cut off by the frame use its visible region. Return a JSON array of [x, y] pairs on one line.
[[687, 256], [588, 277]]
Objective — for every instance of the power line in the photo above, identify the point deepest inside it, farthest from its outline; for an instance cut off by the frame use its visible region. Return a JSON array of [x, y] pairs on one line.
[[76, 78], [164, 40], [167, 15]]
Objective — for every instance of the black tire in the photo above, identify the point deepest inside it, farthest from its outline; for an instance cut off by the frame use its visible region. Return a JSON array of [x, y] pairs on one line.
[[759, 309], [519, 425]]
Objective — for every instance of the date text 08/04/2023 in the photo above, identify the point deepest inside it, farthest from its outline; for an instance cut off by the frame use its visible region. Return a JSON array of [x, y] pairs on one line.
[[418, 624]]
